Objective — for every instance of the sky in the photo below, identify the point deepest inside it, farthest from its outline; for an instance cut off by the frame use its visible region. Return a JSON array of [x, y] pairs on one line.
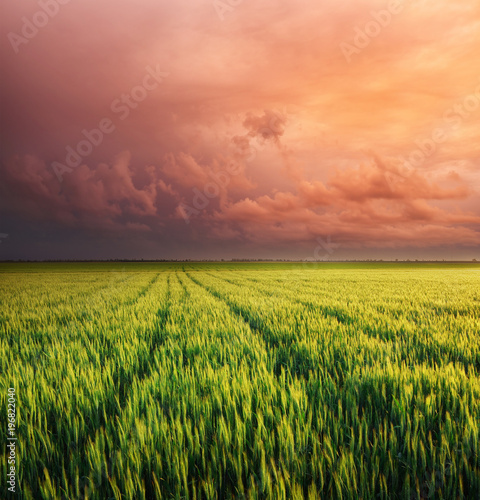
[[209, 129]]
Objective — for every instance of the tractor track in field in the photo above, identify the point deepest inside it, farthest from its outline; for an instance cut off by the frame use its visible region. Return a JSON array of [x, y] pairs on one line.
[[164, 312], [143, 291], [122, 387], [158, 339], [370, 331], [112, 286], [282, 349], [235, 309], [87, 315], [333, 312], [186, 293], [270, 343], [146, 369]]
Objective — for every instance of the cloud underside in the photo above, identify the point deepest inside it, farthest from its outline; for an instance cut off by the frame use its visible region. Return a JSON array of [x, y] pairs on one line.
[[374, 204]]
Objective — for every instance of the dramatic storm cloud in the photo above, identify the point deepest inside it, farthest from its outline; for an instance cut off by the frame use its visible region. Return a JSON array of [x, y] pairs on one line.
[[203, 129]]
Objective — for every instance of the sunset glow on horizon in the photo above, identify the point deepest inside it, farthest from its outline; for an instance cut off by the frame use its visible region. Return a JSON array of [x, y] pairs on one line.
[[240, 129]]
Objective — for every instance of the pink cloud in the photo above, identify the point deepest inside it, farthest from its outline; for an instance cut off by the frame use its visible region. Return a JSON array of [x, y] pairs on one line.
[[101, 197], [300, 173], [359, 207]]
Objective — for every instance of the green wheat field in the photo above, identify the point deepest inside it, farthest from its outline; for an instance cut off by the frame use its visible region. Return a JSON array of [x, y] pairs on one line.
[[242, 380]]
